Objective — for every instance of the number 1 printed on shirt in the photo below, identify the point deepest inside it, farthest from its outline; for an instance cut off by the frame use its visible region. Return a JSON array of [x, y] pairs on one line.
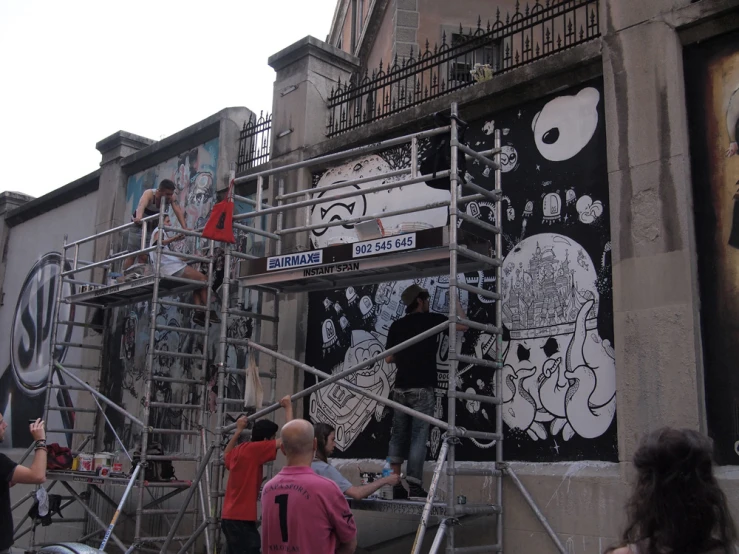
[[281, 500]]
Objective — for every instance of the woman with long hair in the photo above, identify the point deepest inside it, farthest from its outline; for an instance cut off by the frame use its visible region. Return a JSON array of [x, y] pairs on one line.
[[325, 435], [677, 506]]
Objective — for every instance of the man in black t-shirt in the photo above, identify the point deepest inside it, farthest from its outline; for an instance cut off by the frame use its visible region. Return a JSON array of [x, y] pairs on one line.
[[12, 473], [414, 386]]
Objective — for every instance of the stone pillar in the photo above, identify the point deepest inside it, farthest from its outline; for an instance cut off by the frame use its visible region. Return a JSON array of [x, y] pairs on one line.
[[306, 72], [231, 122], [112, 191], [657, 325]]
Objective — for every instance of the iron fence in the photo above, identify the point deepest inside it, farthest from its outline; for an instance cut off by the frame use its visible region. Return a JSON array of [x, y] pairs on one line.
[[254, 142], [462, 60]]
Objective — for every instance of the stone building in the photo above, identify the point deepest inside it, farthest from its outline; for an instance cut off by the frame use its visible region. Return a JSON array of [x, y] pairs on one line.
[[619, 121]]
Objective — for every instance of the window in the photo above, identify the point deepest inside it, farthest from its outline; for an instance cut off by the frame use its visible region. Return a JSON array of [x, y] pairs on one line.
[[459, 68], [357, 22]]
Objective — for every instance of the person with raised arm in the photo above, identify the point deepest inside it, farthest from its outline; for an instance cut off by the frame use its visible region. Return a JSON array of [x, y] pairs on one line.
[[14, 474], [244, 462]]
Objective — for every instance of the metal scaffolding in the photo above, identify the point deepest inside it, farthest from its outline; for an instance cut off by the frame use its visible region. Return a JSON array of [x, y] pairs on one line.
[[435, 252], [90, 285], [447, 250]]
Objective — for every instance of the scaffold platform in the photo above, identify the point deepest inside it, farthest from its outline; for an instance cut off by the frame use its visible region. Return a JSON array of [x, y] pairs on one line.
[[131, 292], [421, 254]]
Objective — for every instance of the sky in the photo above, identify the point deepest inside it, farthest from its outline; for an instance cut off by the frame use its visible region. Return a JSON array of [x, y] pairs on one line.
[[75, 72]]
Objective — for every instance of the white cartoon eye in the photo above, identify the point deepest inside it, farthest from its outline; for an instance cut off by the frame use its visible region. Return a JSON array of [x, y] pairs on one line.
[[566, 124]]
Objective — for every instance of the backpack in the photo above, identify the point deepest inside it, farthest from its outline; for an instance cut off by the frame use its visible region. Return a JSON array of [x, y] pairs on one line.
[[58, 457]]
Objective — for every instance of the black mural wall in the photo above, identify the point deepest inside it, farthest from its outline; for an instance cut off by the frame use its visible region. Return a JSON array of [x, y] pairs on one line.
[[559, 376]]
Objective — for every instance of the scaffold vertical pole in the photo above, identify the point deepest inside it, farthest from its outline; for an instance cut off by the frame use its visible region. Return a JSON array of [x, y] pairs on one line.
[[217, 478], [451, 399], [200, 446], [499, 342], [149, 370]]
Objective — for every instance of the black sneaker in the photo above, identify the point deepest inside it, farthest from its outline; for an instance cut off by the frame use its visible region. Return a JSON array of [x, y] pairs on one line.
[[416, 491], [199, 319], [399, 492]]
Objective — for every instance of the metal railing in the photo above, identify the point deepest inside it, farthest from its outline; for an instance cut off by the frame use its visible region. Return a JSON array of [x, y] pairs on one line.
[[254, 142], [464, 58]]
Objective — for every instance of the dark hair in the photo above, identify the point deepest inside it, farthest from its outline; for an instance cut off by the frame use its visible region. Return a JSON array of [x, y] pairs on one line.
[[264, 429], [677, 504], [166, 184], [414, 305], [322, 431]]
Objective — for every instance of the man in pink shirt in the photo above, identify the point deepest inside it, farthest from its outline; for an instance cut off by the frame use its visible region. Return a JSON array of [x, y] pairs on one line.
[[303, 512]]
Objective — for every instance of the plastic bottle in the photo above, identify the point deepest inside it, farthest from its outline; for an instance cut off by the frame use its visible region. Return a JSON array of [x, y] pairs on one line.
[[387, 470], [118, 461]]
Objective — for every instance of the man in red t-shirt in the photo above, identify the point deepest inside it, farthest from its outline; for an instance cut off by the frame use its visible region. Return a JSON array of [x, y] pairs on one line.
[[302, 511], [244, 463]]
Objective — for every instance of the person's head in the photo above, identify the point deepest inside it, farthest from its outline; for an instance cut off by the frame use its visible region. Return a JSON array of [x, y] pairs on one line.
[[416, 299], [166, 188], [3, 426], [676, 504], [298, 442], [263, 430], [166, 220], [325, 444]]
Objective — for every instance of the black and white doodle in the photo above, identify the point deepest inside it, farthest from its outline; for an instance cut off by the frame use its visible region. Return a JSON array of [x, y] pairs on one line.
[[559, 376]]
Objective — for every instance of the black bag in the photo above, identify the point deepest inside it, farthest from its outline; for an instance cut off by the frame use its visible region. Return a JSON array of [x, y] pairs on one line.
[[156, 470], [438, 157]]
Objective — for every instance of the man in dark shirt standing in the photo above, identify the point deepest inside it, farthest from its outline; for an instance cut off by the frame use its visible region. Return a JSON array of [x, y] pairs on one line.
[[414, 385], [12, 473]]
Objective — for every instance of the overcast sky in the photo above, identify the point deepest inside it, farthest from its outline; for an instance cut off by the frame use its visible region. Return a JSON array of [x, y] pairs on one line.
[[77, 71]]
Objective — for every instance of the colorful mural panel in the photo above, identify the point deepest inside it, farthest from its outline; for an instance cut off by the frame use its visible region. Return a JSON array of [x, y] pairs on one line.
[[194, 173], [712, 83], [559, 377]]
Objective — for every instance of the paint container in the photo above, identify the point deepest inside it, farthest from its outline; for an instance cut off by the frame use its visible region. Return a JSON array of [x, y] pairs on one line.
[[103, 459], [86, 462]]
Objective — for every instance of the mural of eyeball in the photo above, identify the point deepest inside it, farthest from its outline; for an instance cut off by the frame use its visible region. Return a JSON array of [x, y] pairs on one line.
[[566, 124], [508, 159], [570, 196], [552, 207], [588, 210], [373, 203]]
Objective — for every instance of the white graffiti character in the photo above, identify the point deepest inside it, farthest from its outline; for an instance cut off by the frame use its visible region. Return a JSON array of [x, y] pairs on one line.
[[558, 372]]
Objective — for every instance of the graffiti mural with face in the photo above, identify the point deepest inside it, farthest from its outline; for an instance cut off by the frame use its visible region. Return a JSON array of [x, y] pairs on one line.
[[559, 385], [370, 203]]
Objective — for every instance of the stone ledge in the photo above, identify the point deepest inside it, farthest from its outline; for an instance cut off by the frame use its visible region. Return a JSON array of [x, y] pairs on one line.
[[312, 46]]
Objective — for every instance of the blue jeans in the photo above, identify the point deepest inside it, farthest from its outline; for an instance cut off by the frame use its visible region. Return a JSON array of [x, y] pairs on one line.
[[410, 434]]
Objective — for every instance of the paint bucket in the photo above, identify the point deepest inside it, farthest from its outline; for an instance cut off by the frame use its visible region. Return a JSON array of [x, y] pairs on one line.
[[86, 462], [103, 459]]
